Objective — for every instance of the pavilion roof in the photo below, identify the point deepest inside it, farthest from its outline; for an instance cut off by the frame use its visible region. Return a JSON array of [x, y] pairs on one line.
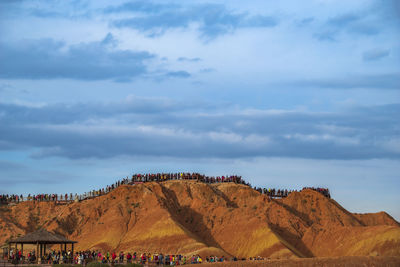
[[41, 236]]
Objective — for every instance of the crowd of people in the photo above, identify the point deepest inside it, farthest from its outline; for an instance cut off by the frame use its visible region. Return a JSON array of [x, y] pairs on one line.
[[274, 193], [135, 179], [324, 191], [84, 257], [16, 255], [281, 193], [10, 199], [157, 177]]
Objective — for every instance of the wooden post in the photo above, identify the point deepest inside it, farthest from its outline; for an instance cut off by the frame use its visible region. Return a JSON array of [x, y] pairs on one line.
[[37, 252], [44, 249], [65, 247], [22, 249], [72, 250], [9, 249]]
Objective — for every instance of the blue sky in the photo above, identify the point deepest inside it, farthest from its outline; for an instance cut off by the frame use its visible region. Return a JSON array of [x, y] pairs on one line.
[[287, 94]]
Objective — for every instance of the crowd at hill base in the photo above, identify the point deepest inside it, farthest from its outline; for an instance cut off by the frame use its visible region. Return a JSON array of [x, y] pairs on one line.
[[85, 257]]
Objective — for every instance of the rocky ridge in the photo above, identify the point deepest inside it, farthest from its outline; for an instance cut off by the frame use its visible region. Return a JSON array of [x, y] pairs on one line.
[[190, 217]]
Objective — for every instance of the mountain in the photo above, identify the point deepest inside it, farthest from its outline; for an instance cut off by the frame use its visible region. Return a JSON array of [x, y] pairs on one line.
[[191, 217]]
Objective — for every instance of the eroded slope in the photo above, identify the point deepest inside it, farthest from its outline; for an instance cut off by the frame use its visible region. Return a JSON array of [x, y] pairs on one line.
[[220, 219]]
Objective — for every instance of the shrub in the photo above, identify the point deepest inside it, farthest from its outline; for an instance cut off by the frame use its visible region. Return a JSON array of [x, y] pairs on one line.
[[33, 223], [68, 224]]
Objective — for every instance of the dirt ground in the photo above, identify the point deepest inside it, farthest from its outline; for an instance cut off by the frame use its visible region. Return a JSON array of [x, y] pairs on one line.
[[315, 262]]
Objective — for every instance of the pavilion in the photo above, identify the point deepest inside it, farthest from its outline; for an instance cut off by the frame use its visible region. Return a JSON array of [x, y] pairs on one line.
[[41, 238]]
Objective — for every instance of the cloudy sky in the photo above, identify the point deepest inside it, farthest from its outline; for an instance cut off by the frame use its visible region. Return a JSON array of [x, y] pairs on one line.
[[287, 94]]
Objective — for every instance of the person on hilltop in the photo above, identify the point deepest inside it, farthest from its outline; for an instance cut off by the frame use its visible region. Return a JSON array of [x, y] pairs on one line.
[[137, 178]]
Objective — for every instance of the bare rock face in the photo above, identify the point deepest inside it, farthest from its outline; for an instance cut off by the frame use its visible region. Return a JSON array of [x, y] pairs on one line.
[[228, 219]]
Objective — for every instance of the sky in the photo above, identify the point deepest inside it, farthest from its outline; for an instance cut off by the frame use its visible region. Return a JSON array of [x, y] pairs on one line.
[[285, 93]]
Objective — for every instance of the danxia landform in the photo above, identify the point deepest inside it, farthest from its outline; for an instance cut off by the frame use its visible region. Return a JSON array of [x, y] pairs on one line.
[[190, 217]]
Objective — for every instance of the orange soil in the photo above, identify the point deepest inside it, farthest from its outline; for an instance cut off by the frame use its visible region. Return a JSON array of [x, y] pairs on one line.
[[314, 262], [190, 217]]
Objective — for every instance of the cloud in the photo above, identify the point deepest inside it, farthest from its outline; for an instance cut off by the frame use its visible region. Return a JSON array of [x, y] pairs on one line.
[[8, 165], [326, 35], [42, 13], [362, 23], [342, 20], [163, 127], [74, 9], [99, 60], [49, 59], [377, 81], [5, 87], [67, 114], [305, 21], [10, 4], [178, 74], [375, 54], [389, 11], [140, 6], [185, 59], [207, 70], [212, 20], [364, 29]]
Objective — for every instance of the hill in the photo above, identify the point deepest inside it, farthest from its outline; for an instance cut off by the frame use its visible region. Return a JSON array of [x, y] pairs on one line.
[[190, 217]]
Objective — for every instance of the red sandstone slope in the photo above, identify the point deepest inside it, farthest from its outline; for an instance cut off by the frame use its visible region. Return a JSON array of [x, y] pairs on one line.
[[374, 219], [224, 219], [336, 232]]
